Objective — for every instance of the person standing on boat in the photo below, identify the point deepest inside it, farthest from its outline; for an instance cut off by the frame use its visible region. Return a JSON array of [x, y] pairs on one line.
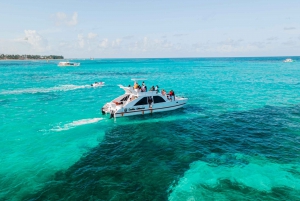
[[171, 93], [144, 87], [156, 89], [136, 86], [150, 100]]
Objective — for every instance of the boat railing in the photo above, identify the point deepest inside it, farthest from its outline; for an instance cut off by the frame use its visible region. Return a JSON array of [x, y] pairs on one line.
[[145, 93], [131, 90]]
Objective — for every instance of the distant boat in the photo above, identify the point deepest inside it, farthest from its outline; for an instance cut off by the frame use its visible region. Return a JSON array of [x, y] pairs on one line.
[[92, 58], [288, 60], [97, 84], [67, 63]]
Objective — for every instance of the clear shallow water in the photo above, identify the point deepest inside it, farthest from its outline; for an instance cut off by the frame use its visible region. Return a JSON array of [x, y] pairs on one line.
[[238, 137]]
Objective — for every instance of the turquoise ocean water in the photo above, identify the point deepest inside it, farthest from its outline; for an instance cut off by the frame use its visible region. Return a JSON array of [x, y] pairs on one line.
[[238, 138]]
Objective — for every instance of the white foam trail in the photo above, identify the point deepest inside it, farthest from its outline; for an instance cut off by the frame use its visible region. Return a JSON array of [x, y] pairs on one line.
[[75, 124], [45, 90]]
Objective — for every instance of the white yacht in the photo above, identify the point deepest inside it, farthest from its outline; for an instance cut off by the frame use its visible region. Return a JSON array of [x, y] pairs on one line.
[[67, 63], [135, 102], [288, 60]]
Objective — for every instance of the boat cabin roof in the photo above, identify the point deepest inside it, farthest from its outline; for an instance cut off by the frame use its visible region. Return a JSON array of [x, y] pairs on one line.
[[131, 91]]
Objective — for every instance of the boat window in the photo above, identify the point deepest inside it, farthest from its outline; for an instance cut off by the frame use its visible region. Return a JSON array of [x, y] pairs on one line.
[[143, 101], [158, 99], [125, 98]]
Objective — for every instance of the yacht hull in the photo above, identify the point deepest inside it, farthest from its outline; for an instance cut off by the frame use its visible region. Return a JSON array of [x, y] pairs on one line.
[[140, 103], [149, 110]]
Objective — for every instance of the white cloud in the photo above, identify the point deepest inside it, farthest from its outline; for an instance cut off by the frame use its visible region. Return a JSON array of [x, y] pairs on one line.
[[61, 19], [290, 43], [231, 42], [153, 45], [74, 20], [104, 43], [81, 41], [229, 46], [90, 43], [30, 43], [36, 40], [116, 43], [92, 35], [15, 47]]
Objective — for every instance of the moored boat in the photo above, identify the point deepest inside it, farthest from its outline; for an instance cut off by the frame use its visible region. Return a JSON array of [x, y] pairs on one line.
[[67, 63], [136, 102], [288, 60]]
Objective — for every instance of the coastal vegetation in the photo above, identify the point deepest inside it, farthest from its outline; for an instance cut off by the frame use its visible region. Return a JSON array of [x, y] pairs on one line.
[[25, 56]]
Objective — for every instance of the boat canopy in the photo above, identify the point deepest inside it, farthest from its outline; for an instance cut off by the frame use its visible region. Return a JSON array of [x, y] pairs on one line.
[[130, 90]]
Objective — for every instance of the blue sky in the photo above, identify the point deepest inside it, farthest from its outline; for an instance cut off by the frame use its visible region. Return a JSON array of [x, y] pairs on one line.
[[137, 29]]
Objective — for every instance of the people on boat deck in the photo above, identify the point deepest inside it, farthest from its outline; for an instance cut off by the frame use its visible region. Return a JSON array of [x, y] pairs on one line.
[[152, 88], [156, 89], [136, 86], [172, 95], [143, 88]]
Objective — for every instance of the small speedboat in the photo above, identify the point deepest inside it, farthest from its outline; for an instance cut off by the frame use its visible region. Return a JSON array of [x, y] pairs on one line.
[[135, 102], [97, 84], [288, 60], [67, 63]]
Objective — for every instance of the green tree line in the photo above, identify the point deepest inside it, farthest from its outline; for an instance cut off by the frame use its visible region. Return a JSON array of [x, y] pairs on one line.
[[24, 57]]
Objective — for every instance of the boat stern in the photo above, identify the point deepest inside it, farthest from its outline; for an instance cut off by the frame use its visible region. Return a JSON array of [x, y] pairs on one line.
[[110, 108]]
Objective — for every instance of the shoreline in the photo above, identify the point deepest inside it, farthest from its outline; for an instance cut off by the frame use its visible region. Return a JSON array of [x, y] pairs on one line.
[[29, 59]]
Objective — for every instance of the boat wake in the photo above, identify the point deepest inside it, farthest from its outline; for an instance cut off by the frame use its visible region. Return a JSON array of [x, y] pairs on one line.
[[45, 90], [75, 124]]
